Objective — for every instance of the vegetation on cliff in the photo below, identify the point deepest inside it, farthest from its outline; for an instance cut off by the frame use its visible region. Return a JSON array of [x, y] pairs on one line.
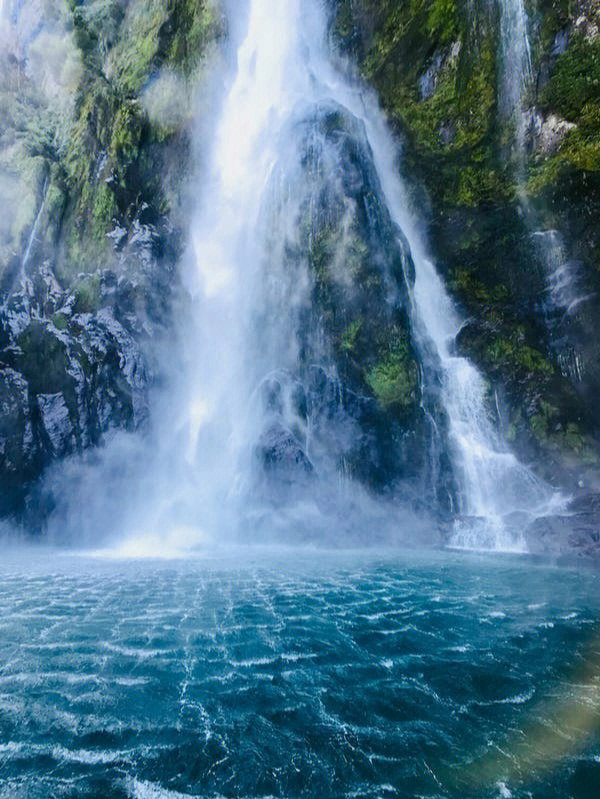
[[96, 103], [437, 69]]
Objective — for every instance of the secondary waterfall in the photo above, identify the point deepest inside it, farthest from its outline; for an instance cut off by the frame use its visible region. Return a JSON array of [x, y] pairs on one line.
[[563, 294], [516, 70], [34, 231], [493, 485]]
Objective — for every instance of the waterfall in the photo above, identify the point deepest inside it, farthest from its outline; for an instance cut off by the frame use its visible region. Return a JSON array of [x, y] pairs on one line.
[[34, 230], [563, 295], [516, 70], [283, 72], [239, 402], [497, 493]]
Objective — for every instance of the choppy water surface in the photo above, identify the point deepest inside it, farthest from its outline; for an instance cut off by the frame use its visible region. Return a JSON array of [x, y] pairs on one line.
[[274, 674]]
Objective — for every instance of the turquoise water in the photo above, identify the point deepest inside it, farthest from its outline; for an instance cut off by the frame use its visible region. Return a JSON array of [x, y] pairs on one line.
[[261, 673]]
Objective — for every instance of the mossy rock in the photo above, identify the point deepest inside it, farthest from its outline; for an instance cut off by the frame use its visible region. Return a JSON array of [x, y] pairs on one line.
[[395, 379], [44, 363], [575, 80], [87, 293]]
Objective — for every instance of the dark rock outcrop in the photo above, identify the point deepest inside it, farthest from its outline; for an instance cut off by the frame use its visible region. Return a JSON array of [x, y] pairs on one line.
[[572, 534], [280, 454], [370, 410], [66, 377]]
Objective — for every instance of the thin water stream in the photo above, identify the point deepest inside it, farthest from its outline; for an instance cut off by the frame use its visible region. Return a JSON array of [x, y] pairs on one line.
[[563, 293]]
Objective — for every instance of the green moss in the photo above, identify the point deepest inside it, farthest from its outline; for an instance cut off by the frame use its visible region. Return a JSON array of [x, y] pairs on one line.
[[60, 321], [442, 20], [87, 294], [581, 147], [139, 44], [55, 202], [475, 291], [97, 25], [127, 133], [579, 153], [350, 336], [477, 185], [561, 436], [104, 208], [41, 135], [163, 32], [550, 17], [575, 81], [451, 134], [91, 131], [85, 38], [574, 438], [196, 25], [518, 356], [101, 165], [544, 175], [464, 97], [395, 378], [320, 252]]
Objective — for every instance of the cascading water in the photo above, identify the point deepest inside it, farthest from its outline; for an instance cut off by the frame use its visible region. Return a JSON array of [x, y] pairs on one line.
[[493, 485], [563, 294], [516, 70], [251, 306], [258, 391], [34, 232]]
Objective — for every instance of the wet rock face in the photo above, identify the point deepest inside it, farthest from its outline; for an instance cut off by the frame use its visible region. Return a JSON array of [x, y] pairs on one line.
[[56, 422], [357, 366], [17, 451], [573, 534], [66, 377], [280, 453], [91, 171], [487, 216], [545, 134], [587, 18]]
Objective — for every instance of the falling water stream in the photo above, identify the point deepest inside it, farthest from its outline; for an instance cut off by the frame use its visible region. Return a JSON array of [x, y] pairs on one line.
[[249, 304], [516, 70], [34, 231], [563, 294]]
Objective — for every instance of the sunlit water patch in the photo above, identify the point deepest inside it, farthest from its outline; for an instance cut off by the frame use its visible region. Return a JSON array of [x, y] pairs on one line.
[[263, 673]]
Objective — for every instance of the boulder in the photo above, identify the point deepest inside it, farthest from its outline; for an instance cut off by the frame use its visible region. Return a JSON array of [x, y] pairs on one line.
[[281, 455]]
